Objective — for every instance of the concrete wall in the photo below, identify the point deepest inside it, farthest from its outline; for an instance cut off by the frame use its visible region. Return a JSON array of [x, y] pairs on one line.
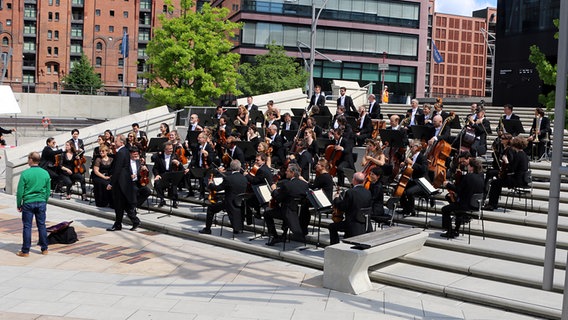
[[71, 106], [16, 158]]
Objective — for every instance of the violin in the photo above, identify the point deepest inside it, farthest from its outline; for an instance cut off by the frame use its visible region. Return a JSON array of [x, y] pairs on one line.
[[204, 161], [212, 193], [57, 160], [180, 153], [79, 163], [144, 173], [338, 215]]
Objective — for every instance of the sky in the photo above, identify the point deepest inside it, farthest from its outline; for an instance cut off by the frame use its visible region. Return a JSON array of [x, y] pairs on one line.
[[463, 7]]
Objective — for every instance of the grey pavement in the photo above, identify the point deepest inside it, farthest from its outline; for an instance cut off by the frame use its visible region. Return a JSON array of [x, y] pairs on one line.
[[150, 275]]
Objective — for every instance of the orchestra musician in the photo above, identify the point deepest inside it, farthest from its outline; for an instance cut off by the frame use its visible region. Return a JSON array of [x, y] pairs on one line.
[[323, 180], [233, 151], [141, 136], [234, 183], [351, 204], [482, 128], [165, 161], [48, 161], [415, 113], [123, 194], [318, 99], [345, 145], [253, 135], [68, 173], [131, 141], [508, 115], [272, 109], [272, 119], [439, 109], [203, 157], [96, 151], [303, 158], [288, 195], [428, 114], [258, 174], [441, 132], [77, 143], [251, 106], [289, 124], [374, 156], [164, 130], [374, 107], [501, 147], [419, 165], [311, 139], [264, 147], [470, 183], [138, 171], [311, 124], [219, 111], [473, 115], [277, 143], [345, 100], [540, 131], [193, 126], [514, 171], [109, 138], [364, 127], [377, 193], [339, 112], [101, 178]]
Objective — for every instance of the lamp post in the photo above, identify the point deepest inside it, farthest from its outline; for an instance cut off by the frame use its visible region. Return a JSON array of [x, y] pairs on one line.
[[315, 18], [491, 46]]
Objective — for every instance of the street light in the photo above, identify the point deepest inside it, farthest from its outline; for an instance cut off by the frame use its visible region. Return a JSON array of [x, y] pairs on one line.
[[491, 46], [315, 18]]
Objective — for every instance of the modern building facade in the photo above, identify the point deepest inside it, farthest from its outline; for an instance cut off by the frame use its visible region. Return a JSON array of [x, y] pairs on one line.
[[40, 41], [463, 44], [520, 25], [360, 33]]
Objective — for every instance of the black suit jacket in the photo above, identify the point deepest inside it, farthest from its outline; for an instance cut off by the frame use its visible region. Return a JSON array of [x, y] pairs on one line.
[[444, 134], [418, 117], [79, 142], [254, 107], [470, 184], [320, 101], [347, 103], [288, 194], [211, 157], [263, 175], [375, 110], [237, 154], [544, 128], [120, 176], [305, 162], [367, 126], [47, 159], [377, 194], [353, 201], [420, 166], [159, 160], [293, 126], [234, 183]]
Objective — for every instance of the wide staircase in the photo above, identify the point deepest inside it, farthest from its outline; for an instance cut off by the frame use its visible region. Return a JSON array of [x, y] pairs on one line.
[[501, 268]]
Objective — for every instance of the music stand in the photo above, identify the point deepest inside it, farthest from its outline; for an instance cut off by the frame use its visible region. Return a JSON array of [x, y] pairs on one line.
[[171, 179], [192, 138], [156, 144], [513, 126], [322, 121], [423, 133], [231, 113], [298, 112], [395, 138], [248, 149], [321, 203], [256, 116], [289, 135], [429, 192], [455, 123]]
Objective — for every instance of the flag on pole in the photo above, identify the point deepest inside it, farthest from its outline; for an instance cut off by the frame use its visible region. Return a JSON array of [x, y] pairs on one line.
[[437, 56], [124, 45]]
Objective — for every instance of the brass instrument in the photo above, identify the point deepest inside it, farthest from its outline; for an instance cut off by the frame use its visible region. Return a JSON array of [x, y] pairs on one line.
[[501, 127], [537, 129], [405, 122], [237, 122]]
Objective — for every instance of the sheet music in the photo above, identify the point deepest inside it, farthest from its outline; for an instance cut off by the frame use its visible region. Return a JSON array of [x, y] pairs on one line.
[[427, 186], [266, 193], [217, 180], [322, 198]]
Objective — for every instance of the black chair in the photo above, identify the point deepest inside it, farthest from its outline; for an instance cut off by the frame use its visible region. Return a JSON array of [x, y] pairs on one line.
[[525, 191], [475, 212], [241, 200], [391, 205]]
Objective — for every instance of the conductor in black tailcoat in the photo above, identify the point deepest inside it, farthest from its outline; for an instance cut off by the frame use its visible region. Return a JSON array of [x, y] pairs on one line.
[[123, 191], [234, 183], [353, 201]]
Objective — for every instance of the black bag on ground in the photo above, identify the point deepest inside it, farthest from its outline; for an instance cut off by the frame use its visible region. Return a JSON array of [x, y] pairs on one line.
[[65, 236]]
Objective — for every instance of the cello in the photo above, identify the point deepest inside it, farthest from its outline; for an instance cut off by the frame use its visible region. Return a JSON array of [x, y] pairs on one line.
[[332, 155], [338, 215], [438, 156]]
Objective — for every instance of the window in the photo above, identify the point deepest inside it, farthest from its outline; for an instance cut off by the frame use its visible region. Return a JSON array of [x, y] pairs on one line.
[[111, 13], [125, 14], [50, 2], [111, 29], [56, 35], [48, 68], [165, 9], [49, 34], [5, 41], [97, 28], [8, 22], [49, 16], [98, 61], [56, 51], [121, 62], [57, 3], [48, 51], [124, 30], [98, 12], [57, 16], [120, 77], [9, 6], [99, 46]]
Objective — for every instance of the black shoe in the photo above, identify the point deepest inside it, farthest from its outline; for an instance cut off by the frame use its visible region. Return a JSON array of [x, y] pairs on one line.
[[135, 226], [236, 231], [175, 205], [190, 194], [449, 235], [432, 202], [162, 203], [274, 241], [456, 233], [410, 214], [205, 231], [488, 207], [113, 228], [202, 196]]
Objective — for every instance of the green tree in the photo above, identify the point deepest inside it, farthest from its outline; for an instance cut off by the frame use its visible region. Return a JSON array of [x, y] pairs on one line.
[[273, 71], [547, 73], [82, 78], [190, 59]]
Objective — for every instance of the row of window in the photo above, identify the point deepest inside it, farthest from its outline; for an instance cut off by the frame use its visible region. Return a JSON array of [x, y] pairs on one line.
[[110, 13], [52, 34], [99, 62], [261, 34]]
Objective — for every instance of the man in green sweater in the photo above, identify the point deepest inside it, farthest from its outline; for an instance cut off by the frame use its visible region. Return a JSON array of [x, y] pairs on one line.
[[33, 192]]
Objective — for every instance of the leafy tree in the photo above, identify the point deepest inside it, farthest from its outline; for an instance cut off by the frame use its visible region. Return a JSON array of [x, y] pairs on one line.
[[190, 59], [274, 71], [82, 78], [547, 73]]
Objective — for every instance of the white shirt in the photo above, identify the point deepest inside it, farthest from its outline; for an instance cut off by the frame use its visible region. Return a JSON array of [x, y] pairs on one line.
[[167, 160], [133, 169]]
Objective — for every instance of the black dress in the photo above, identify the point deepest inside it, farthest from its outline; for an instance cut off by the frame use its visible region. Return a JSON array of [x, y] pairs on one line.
[[103, 197]]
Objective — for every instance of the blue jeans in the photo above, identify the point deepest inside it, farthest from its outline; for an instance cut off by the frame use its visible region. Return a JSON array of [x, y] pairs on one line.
[[29, 210]]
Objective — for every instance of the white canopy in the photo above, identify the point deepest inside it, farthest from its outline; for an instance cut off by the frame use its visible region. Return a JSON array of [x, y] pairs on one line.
[[8, 103]]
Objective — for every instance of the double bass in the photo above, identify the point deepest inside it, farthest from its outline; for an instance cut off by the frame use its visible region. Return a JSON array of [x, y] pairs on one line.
[[333, 156]]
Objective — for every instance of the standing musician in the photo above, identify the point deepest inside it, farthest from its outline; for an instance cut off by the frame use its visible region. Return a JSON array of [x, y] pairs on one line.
[[48, 160], [345, 146], [123, 193], [76, 142], [101, 178], [303, 158], [192, 127], [470, 184], [323, 180], [70, 170], [351, 204], [514, 172], [251, 106], [275, 141], [219, 111], [165, 161], [508, 115], [419, 165], [234, 183], [288, 195], [203, 157], [257, 175], [318, 99], [141, 136], [540, 131], [139, 173], [374, 108], [289, 124], [364, 127], [345, 100]]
